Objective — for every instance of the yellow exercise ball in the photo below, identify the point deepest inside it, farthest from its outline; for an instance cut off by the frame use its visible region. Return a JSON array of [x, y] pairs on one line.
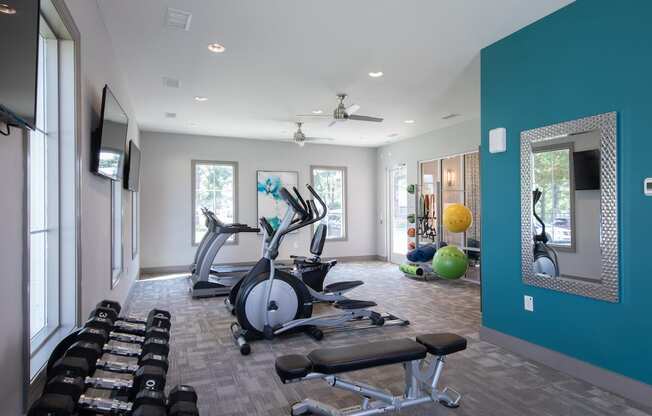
[[457, 218]]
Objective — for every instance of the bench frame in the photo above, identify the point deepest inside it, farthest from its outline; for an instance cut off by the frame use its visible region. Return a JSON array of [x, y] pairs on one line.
[[421, 380]]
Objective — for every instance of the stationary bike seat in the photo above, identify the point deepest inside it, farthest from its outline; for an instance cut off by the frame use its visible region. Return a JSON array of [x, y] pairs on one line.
[[342, 286], [349, 304]]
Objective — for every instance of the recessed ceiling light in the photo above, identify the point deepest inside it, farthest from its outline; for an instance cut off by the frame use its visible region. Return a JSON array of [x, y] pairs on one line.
[[376, 74], [7, 9], [216, 48], [317, 111], [201, 99], [409, 122]]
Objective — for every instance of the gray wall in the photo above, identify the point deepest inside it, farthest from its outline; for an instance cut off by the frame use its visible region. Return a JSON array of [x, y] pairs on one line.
[[459, 138], [100, 67], [166, 194], [11, 259]]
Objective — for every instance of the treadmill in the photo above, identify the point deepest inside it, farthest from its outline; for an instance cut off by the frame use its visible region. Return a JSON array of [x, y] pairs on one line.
[[207, 280]]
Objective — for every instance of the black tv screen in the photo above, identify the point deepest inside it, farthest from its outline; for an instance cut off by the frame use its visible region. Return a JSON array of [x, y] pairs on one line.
[[110, 138], [586, 166], [19, 40], [132, 168]]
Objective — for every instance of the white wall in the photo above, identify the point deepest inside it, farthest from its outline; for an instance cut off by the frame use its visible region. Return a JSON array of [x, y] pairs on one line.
[[11, 259], [459, 138], [166, 194], [99, 67]]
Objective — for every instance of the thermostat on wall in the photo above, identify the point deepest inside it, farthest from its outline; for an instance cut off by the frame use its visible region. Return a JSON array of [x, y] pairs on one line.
[[647, 187], [498, 140]]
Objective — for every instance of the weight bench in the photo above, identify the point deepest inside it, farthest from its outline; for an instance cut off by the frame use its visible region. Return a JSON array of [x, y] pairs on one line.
[[421, 375]]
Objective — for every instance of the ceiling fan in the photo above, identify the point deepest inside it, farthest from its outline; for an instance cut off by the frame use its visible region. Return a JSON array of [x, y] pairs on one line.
[[343, 113], [301, 139]]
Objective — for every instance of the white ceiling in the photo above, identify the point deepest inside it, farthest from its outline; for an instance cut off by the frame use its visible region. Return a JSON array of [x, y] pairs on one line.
[[288, 57]]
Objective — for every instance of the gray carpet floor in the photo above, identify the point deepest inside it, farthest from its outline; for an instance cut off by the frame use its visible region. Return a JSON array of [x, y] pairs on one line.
[[492, 380]]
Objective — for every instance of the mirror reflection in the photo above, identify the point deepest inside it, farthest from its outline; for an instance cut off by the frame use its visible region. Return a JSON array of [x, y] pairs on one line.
[[566, 206]]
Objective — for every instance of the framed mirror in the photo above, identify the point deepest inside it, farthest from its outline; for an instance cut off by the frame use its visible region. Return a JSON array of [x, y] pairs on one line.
[[569, 204]]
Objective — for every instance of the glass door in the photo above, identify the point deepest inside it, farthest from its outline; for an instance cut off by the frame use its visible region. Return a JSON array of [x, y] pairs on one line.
[[398, 207]]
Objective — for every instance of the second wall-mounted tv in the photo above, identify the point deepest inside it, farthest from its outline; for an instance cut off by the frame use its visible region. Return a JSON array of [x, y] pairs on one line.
[[587, 170], [108, 142], [132, 168]]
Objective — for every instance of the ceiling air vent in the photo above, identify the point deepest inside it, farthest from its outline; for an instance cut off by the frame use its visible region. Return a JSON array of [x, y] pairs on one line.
[[170, 82], [178, 19], [449, 116], [170, 115]]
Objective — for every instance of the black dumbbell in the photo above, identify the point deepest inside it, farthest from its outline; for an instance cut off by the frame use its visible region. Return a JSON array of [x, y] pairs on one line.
[[182, 401], [91, 353], [156, 317], [105, 325], [145, 378], [146, 403], [128, 331], [101, 337]]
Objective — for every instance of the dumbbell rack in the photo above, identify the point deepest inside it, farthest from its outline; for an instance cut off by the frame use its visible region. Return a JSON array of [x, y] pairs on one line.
[[114, 365]]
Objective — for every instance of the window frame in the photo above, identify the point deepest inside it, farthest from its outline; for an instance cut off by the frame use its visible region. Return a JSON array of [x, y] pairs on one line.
[[345, 198], [571, 175], [60, 26], [135, 225], [193, 196], [116, 186]]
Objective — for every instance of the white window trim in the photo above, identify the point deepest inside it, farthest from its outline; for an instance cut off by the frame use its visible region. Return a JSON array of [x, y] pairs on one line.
[[571, 149], [193, 196], [345, 198]]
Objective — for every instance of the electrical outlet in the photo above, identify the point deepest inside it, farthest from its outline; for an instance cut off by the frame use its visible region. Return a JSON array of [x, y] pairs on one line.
[[528, 303]]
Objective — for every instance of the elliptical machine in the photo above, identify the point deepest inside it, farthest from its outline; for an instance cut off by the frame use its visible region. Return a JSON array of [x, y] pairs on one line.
[[270, 302], [545, 257]]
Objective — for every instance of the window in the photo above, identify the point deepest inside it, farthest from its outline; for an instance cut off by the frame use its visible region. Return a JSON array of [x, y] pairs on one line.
[[52, 197], [552, 176], [214, 188], [134, 225], [330, 184], [117, 251], [43, 198]]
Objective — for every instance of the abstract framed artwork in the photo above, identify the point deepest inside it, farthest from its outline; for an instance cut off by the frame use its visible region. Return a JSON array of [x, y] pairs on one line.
[[268, 186]]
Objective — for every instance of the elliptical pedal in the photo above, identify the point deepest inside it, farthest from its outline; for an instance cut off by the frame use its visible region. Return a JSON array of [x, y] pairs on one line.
[[349, 304]]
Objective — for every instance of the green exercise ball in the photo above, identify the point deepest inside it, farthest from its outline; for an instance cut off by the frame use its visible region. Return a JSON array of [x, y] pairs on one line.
[[450, 262]]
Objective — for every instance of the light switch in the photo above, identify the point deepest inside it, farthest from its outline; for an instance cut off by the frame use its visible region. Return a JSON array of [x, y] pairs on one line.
[[498, 140], [647, 187]]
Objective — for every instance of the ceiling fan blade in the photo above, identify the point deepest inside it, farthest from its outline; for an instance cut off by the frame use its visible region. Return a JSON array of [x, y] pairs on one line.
[[316, 139], [314, 115], [365, 118], [352, 109]]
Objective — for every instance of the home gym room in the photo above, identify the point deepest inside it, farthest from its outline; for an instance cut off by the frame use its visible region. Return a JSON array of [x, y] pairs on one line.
[[239, 208]]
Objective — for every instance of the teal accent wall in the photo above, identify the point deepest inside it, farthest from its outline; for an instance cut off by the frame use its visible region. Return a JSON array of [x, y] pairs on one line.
[[591, 57]]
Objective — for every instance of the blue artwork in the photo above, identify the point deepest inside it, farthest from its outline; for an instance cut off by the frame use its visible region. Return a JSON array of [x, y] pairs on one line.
[[268, 188]]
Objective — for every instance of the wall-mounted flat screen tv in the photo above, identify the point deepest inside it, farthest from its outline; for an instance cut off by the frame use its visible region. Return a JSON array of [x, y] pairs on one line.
[[108, 149], [586, 166], [19, 46], [132, 168]]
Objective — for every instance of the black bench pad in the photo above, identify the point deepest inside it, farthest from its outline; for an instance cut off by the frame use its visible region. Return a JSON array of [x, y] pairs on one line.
[[358, 357], [442, 344], [292, 367]]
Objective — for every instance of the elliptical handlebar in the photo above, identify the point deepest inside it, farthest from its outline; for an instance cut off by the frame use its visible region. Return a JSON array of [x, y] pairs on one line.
[[324, 208], [536, 196]]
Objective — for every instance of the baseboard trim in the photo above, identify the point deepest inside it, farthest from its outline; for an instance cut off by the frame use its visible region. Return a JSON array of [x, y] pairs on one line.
[[629, 388], [186, 267]]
